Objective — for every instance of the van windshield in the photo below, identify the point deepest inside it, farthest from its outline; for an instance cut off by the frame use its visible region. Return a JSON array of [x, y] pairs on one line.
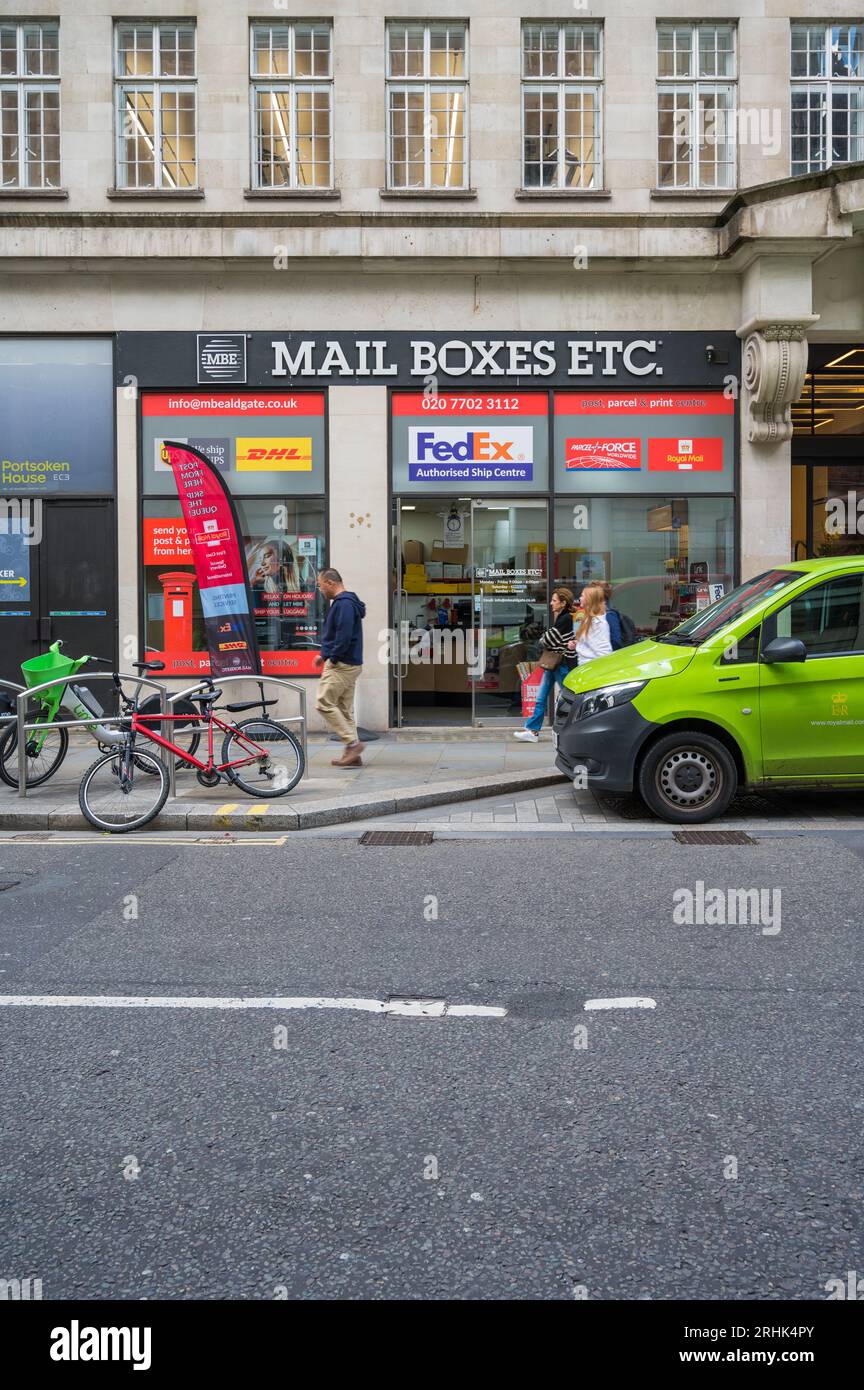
[[701, 626]]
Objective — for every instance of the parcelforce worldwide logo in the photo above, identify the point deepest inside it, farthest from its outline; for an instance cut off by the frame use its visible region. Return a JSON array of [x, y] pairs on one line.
[[222, 357], [604, 454]]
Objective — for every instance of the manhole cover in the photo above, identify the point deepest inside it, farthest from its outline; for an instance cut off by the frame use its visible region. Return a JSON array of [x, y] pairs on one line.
[[713, 837], [396, 837]]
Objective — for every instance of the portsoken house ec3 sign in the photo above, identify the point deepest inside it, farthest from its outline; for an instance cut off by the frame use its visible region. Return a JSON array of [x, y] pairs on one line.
[[344, 356]]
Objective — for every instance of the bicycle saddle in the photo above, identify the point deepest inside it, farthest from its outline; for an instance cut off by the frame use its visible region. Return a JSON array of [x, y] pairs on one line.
[[207, 697], [149, 665], [249, 704]]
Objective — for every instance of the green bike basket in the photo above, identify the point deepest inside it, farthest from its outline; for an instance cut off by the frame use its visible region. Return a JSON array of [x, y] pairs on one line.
[[50, 666]]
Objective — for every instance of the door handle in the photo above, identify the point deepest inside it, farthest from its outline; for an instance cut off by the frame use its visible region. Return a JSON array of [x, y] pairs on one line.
[[44, 629], [403, 624]]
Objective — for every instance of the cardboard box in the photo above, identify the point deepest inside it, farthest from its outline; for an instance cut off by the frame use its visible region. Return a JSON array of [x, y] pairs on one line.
[[414, 552], [452, 554], [452, 571], [434, 569]]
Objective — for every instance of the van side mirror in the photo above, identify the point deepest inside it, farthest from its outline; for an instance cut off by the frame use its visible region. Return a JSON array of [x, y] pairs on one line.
[[784, 649]]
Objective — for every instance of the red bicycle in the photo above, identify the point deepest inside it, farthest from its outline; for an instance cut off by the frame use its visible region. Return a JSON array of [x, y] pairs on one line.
[[128, 786]]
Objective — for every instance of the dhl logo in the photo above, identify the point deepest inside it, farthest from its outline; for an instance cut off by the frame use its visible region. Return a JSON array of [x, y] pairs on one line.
[[274, 455], [232, 646]]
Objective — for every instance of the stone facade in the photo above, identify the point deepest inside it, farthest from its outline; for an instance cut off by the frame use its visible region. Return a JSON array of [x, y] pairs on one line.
[[779, 262]]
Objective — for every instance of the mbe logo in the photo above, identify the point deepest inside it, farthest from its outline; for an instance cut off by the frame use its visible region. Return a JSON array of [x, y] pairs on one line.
[[222, 358]]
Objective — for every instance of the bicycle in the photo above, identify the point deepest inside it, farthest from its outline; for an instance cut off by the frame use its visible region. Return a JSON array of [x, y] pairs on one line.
[[114, 799], [47, 746]]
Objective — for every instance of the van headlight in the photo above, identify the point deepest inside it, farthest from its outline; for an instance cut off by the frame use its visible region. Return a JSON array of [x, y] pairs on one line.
[[608, 697]]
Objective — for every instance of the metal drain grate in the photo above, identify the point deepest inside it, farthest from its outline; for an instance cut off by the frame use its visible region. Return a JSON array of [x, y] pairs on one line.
[[396, 837], [713, 837]]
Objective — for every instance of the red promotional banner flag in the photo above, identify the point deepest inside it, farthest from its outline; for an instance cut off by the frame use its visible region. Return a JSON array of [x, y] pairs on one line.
[[220, 561]]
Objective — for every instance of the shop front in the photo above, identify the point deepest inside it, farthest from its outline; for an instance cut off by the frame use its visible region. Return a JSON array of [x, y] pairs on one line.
[[57, 521], [635, 488], [827, 464], [271, 452], [454, 480]]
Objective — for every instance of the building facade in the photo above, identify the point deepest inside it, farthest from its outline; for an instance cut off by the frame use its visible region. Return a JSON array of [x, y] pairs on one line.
[[464, 304]]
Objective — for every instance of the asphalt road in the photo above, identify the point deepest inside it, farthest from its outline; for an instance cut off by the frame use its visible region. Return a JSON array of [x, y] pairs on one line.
[[177, 1153]]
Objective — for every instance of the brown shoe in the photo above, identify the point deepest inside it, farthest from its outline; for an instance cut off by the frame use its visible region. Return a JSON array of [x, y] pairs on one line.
[[350, 756]]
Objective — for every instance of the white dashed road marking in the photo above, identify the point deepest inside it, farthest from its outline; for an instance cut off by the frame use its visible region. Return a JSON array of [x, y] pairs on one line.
[[397, 1008], [634, 1002]]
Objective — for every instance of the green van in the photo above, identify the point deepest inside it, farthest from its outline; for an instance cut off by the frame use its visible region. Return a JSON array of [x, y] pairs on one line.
[[763, 689]]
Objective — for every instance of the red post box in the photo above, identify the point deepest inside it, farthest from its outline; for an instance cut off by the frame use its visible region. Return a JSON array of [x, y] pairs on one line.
[[177, 596]]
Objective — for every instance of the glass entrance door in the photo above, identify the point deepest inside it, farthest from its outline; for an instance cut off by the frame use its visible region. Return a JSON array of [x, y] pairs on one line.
[[470, 600], [510, 596]]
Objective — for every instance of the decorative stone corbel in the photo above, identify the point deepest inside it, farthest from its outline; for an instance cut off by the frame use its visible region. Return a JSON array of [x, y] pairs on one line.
[[775, 364]]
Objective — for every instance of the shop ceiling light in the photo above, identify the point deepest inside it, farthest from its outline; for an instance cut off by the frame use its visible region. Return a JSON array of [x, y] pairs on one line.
[[853, 352]]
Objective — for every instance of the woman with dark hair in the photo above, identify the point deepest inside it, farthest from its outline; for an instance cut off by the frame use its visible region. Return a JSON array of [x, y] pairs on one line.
[[555, 658]]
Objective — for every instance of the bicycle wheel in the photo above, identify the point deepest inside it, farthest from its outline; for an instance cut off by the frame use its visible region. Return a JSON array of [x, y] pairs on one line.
[[278, 757], [115, 797], [45, 753]]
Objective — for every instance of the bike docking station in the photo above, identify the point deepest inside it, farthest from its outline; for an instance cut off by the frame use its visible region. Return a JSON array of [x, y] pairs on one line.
[[110, 728]]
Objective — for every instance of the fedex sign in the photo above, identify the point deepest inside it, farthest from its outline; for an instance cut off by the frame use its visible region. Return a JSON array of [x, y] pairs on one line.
[[491, 453]]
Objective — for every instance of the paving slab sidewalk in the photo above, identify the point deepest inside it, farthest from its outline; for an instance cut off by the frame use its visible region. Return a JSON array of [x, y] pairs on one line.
[[397, 776]]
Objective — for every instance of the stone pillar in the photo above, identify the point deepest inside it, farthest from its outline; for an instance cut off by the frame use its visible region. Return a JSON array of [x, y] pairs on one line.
[[360, 529], [774, 366], [128, 550]]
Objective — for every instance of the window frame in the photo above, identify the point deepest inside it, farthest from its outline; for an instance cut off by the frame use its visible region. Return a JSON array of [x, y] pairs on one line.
[[23, 84], [293, 84], [563, 86], [154, 83], [770, 622], [695, 84], [427, 83], [827, 85]]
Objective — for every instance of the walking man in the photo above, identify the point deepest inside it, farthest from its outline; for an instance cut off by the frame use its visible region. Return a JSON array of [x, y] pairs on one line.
[[341, 656]]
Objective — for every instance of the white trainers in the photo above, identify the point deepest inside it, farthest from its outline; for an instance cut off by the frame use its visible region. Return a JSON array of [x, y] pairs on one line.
[[527, 736]]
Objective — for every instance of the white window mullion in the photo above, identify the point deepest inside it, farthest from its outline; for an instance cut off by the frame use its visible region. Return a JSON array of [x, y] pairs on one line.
[[562, 128], [427, 124]]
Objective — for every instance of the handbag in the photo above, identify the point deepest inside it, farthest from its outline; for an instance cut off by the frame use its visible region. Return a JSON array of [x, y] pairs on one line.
[[550, 660]]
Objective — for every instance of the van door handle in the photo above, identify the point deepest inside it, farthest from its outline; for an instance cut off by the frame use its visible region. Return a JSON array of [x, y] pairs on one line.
[[727, 678]]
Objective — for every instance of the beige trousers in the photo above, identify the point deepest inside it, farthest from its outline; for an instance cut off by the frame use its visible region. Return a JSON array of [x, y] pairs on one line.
[[335, 701]]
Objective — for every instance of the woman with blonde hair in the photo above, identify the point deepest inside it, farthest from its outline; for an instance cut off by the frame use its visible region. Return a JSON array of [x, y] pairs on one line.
[[591, 627], [556, 658]]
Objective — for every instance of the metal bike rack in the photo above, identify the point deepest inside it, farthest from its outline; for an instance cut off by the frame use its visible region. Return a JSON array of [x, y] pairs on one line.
[[257, 680], [24, 727]]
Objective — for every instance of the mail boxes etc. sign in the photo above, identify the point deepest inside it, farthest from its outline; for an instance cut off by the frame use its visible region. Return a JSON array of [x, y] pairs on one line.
[[452, 440], [261, 442], [644, 441]]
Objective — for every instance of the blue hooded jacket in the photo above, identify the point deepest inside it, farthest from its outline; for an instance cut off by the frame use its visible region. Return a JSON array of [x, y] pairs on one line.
[[342, 638]]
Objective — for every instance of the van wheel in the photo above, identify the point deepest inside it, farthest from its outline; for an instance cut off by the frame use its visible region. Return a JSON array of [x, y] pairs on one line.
[[688, 777]]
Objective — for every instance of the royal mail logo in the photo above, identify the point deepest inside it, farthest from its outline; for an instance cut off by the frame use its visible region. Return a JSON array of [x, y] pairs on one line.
[[497, 444], [275, 455], [685, 455], [604, 454], [221, 357], [211, 535]]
